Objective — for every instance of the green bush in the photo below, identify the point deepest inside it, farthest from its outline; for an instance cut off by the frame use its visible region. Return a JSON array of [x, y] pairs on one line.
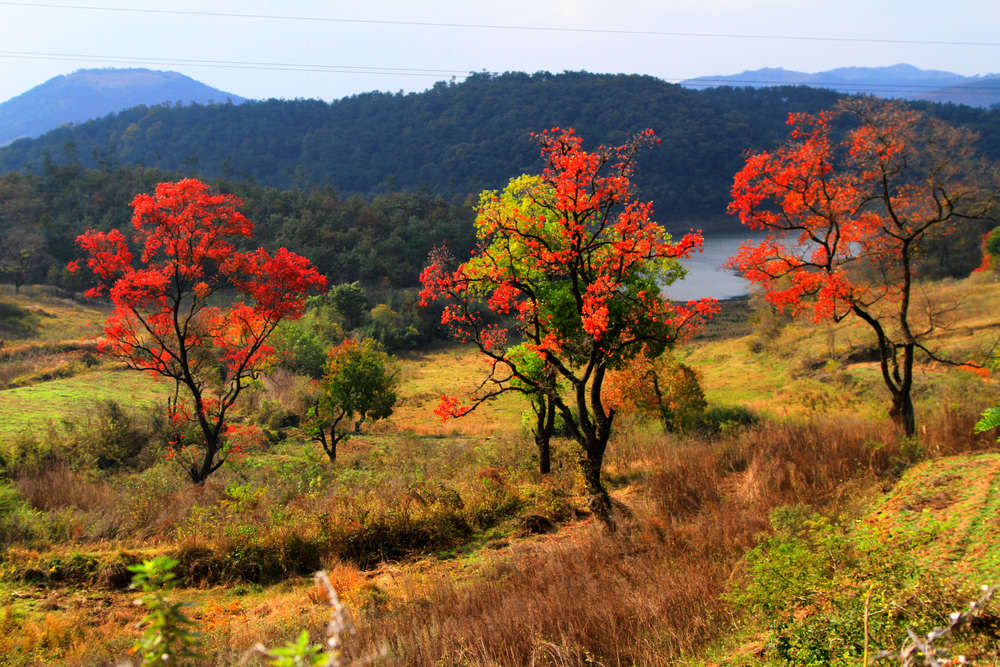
[[300, 348], [810, 582], [17, 322], [720, 419], [18, 521], [111, 438]]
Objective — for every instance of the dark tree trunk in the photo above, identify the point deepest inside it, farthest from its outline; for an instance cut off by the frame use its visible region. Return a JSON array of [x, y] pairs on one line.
[[901, 413], [330, 446], [545, 419], [666, 416], [598, 499], [208, 465]]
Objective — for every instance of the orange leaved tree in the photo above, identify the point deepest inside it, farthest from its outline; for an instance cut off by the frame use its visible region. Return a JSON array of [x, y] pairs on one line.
[[847, 212], [165, 320], [575, 265]]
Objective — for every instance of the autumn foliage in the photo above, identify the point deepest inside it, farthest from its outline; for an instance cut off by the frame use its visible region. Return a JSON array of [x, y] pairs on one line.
[[168, 319], [577, 264], [846, 214], [662, 388]]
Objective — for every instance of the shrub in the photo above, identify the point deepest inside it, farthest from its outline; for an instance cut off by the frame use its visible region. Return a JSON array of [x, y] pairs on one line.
[[300, 348], [18, 521], [829, 590], [111, 438]]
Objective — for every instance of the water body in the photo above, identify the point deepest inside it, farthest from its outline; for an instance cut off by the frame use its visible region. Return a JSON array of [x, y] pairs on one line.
[[706, 277]]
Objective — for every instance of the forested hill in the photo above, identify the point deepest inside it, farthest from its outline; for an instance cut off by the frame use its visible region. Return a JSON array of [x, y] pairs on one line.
[[457, 138]]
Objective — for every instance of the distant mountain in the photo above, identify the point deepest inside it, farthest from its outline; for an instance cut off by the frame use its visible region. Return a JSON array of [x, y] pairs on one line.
[[903, 81], [92, 93]]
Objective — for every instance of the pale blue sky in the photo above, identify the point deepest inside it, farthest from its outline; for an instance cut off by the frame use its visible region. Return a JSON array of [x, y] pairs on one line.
[[38, 42]]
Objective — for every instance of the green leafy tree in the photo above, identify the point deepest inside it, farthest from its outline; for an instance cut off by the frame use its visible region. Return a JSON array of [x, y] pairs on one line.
[[350, 302], [579, 285], [359, 383]]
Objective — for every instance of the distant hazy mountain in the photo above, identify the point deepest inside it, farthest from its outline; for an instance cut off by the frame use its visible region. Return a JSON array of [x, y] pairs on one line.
[[905, 81], [92, 93]]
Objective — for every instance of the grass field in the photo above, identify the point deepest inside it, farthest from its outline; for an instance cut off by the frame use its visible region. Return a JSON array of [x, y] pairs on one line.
[[449, 548], [74, 398]]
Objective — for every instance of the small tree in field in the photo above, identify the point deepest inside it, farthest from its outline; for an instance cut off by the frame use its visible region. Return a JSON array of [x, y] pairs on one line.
[[163, 322], [846, 220], [578, 267], [359, 383], [662, 387]]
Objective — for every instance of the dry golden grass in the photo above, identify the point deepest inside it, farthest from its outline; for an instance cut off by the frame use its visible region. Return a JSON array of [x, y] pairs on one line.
[[456, 372], [815, 369], [648, 596]]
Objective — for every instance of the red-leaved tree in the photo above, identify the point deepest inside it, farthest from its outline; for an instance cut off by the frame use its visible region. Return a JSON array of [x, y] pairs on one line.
[[164, 320], [577, 265], [846, 220]]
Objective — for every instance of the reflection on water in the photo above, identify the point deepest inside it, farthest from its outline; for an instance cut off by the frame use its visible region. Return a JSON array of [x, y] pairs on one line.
[[706, 277]]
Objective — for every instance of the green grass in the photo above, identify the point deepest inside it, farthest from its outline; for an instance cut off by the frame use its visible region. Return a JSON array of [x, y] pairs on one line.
[[918, 553], [948, 512], [55, 318], [31, 407]]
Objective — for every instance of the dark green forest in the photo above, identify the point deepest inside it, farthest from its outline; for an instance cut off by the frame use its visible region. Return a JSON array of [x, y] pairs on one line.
[[451, 140], [380, 240], [367, 185]]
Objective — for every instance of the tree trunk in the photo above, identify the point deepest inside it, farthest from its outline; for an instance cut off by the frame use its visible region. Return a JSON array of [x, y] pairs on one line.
[[331, 449], [666, 416], [901, 413], [544, 425], [208, 464], [598, 499]]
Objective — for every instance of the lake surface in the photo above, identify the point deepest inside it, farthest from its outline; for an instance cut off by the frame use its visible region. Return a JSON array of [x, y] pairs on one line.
[[706, 277]]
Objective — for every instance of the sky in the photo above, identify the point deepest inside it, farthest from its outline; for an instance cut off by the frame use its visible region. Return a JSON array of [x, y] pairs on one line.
[[328, 50]]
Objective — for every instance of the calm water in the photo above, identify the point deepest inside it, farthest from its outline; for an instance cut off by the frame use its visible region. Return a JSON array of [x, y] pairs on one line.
[[706, 277]]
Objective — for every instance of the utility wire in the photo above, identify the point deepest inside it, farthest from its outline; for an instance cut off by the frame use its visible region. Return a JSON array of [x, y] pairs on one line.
[[971, 88], [232, 64], [488, 26]]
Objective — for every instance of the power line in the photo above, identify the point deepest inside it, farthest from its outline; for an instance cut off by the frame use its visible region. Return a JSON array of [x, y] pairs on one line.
[[489, 26], [233, 64], [971, 88]]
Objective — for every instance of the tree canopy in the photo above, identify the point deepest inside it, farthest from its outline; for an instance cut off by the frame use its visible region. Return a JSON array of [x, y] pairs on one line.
[[164, 320], [847, 219], [576, 264], [359, 383]]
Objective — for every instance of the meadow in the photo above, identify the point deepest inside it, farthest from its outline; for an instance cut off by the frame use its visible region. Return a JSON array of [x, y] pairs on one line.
[[813, 535]]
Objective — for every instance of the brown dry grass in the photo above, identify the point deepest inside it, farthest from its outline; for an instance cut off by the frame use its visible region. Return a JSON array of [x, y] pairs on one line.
[[58, 487], [649, 595]]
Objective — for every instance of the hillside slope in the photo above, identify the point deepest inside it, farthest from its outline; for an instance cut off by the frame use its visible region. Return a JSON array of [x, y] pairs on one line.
[[458, 138], [452, 140]]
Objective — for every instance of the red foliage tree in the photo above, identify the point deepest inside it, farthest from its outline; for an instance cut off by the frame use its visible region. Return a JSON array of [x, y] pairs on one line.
[[577, 263], [163, 322], [846, 219]]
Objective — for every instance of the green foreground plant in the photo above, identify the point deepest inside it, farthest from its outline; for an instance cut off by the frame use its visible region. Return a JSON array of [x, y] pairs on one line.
[[167, 638]]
